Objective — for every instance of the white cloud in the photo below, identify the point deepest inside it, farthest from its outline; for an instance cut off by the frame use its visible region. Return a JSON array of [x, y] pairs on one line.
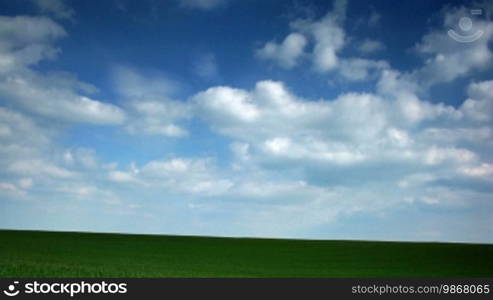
[[356, 69], [271, 111], [479, 135], [275, 130], [26, 40], [173, 167], [83, 158], [285, 54], [435, 155], [416, 179], [329, 37], [402, 90], [482, 170], [157, 118], [27, 89], [479, 105], [39, 168], [310, 206], [177, 175], [447, 59], [29, 154], [309, 160], [225, 104], [394, 83], [58, 8], [22, 130], [121, 176], [150, 110]]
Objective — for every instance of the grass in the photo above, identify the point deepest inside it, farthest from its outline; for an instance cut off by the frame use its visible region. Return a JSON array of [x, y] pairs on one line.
[[67, 254]]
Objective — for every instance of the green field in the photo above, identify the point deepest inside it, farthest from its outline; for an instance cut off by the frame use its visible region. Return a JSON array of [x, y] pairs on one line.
[[59, 254]]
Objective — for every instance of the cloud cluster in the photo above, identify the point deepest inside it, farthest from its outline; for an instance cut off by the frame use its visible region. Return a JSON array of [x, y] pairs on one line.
[[177, 175], [36, 109], [25, 41], [150, 110], [319, 160], [293, 164], [329, 39], [328, 34], [447, 59], [354, 128]]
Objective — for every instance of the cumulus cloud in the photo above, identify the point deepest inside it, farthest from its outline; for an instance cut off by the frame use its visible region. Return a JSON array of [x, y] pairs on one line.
[[357, 69], [274, 127], [271, 111], [328, 37], [285, 54], [444, 58], [411, 150], [328, 34], [479, 105]]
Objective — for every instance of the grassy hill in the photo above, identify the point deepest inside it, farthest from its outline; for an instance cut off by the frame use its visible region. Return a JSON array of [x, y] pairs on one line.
[[65, 254]]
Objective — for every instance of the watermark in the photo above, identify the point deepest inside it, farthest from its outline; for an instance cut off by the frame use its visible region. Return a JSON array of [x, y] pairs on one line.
[[465, 25], [11, 290], [440, 289], [71, 289]]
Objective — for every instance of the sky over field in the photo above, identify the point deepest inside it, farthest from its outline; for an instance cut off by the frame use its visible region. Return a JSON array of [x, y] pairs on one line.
[[290, 119]]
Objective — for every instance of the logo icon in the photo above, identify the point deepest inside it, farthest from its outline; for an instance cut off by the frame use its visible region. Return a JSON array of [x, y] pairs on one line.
[[11, 291], [465, 25]]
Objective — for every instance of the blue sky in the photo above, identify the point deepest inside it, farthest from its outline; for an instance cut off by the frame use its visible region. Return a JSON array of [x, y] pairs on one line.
[[297, 119]]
